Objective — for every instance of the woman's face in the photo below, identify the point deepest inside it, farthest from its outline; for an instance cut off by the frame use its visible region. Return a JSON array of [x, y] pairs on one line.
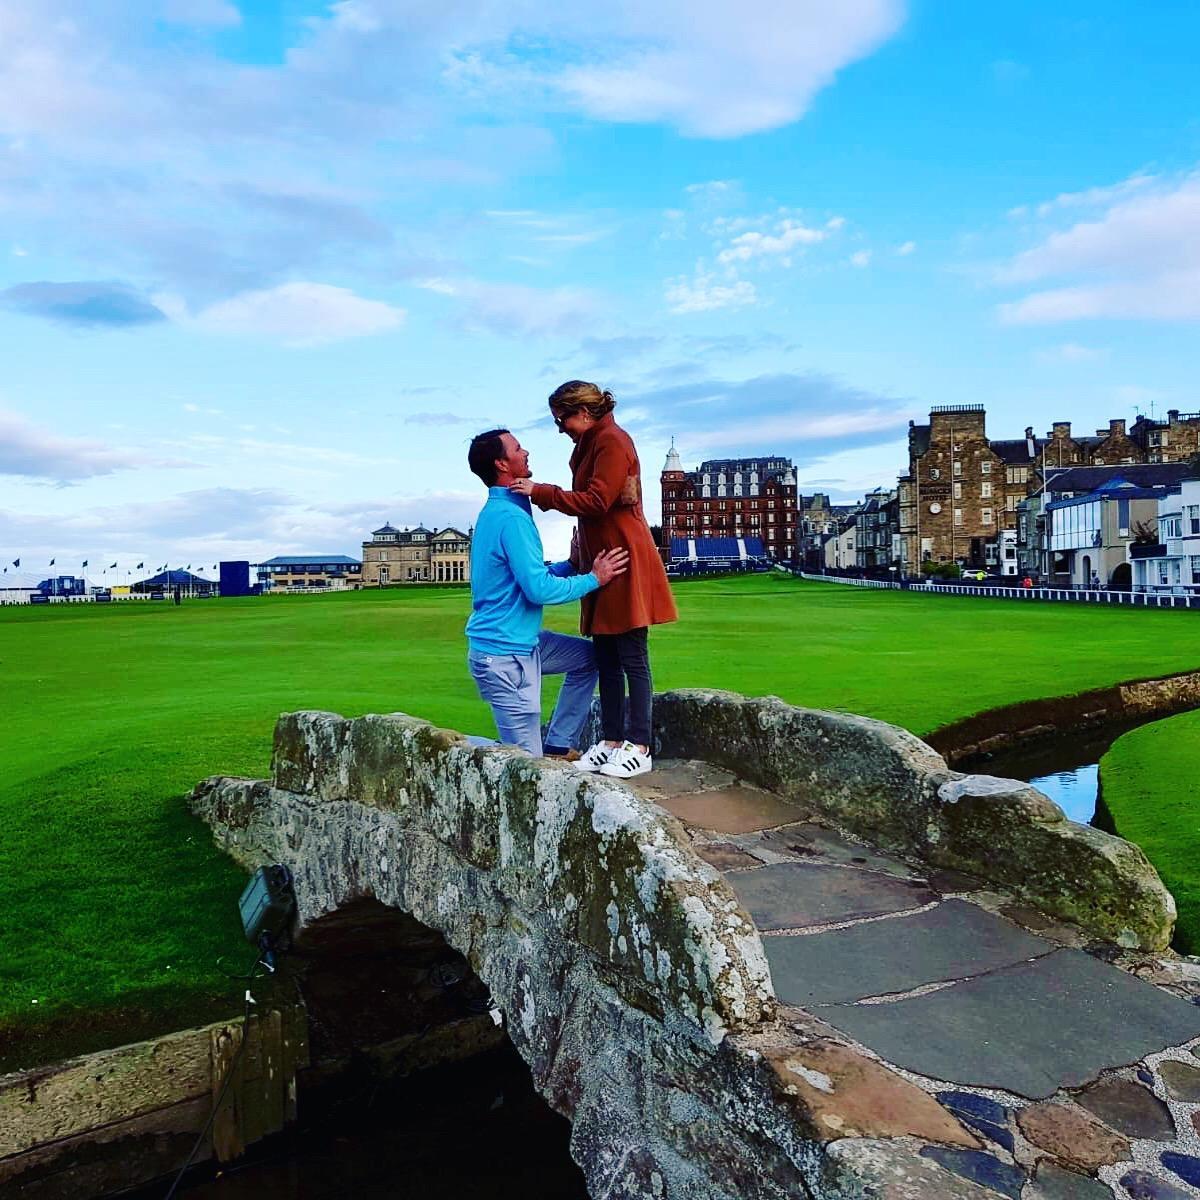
[[574, 423]]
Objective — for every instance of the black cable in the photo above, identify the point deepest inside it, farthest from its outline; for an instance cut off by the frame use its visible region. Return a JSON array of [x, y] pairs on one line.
[[229, 1074]]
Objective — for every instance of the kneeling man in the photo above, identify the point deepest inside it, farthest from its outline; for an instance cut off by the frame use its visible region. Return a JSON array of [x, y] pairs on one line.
[[510, 582]]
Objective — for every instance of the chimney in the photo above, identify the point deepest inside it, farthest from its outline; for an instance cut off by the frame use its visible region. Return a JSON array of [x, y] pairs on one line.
[[1116, 426], [1172, 416], [1030, 442], [1062, 429]]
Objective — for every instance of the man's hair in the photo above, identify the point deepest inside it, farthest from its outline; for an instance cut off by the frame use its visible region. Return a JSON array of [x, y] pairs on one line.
[[481, 457]]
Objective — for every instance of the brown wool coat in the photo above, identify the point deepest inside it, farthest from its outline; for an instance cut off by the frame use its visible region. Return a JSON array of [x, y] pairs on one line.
[[606, 496]]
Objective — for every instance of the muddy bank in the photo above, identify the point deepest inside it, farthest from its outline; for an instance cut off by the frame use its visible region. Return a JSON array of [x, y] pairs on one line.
[[1002, 728]]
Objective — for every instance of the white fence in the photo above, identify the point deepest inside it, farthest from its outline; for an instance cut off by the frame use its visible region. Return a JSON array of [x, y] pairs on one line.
[[1069, 595]]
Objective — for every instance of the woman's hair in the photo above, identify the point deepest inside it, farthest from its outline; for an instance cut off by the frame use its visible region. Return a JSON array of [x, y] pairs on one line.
[[578, 396]]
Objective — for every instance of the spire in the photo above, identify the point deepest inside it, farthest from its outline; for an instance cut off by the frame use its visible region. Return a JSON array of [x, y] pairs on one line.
[[673, 463]]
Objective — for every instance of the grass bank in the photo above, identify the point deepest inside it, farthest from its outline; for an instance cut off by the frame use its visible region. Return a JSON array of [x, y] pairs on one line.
[[1151, 785], [115, 905]]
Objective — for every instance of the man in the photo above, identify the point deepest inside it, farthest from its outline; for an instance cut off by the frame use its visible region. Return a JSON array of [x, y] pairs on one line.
[[510, 582]]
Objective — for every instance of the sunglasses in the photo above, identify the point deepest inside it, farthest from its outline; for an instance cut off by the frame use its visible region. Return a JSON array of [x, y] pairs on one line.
[[559, 419]]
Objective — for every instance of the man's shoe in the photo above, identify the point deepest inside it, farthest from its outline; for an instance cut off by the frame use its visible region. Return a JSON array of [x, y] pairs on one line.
[[626, 762], [562, 753], [592, 759]]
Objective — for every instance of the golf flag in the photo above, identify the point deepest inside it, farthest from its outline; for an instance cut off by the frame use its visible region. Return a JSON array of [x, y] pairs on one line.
[[85, 562], [52, 562], [188, 567], [111, 565], [16, 562], [140, 565]]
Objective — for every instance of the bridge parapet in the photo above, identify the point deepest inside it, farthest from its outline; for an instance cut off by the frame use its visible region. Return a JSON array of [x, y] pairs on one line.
[[469, 840], [881, 783]]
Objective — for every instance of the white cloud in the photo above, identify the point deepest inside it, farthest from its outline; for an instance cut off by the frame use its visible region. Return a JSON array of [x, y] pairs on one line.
[[861, 258], [29, 450], [789, 236], [1138, 259], [823, 427], [703, 293], [718, 70], [298, 314], [514, 309], [1071, 352], [906, 248], [1096, 197]]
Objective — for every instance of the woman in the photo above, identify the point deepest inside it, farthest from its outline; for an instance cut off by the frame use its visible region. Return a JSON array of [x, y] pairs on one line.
[[606, 496]]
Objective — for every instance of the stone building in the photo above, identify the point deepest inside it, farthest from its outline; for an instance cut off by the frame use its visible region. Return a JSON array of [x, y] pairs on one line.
[[1174, 440], [960, 489], [734, 498], [963, 490], [418, 555], [818, 519], [877, 520]]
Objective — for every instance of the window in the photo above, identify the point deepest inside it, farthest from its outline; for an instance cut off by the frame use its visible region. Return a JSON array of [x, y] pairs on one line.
[[934, 473], [986, 516], [1011, 502], [957, 467], [985, 491], [958, 516], [1196, 568], [985, 468], [1193, 516], [957, 490]]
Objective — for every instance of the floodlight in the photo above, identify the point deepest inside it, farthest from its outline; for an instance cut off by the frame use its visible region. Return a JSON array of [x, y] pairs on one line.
[[267, 903]]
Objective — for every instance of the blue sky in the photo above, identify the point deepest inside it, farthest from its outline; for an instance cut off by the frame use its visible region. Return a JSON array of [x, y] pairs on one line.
[[266, 266]]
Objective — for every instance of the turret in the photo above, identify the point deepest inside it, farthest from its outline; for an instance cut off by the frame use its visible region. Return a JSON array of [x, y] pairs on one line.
[[673, 462]]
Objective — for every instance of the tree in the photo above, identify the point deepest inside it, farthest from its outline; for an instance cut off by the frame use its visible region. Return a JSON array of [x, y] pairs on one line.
[[1145, 533], [656, 532]]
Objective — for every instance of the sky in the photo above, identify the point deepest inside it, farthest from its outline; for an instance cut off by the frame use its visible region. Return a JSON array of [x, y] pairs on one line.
[[266, 266]]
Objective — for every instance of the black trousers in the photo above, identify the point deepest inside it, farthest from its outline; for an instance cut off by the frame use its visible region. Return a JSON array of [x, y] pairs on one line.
[[622, 658]]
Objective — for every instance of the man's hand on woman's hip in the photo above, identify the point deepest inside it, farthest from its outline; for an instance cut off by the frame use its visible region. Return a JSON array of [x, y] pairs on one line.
[[608, 564]]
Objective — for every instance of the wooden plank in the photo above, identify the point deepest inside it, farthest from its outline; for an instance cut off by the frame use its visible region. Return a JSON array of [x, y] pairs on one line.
[[60, 1101], [226, 1133], [110, 1159]]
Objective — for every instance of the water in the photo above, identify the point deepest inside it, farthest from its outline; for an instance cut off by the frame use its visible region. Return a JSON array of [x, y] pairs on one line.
[[1073, 790], [1066, 767], [473, 1129]]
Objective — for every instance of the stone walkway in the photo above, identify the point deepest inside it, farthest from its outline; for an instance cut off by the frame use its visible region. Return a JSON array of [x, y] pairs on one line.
[[1077, 1064]]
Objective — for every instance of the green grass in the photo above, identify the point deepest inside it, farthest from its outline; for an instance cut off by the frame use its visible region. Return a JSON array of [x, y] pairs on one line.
[[115, 906], [1151, 785]]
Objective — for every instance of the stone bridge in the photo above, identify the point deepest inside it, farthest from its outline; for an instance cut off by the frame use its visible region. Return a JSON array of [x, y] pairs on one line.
[[801, 958]]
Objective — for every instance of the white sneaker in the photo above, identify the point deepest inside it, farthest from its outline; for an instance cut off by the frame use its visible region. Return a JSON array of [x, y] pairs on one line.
[[591, 760], [627, 761]]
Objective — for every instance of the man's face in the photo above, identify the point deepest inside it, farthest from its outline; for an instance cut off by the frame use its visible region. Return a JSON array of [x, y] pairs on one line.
[[515, 461]]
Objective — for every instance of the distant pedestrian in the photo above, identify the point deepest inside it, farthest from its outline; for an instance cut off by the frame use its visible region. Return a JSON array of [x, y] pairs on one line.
[[1027, 582], [606, 496]]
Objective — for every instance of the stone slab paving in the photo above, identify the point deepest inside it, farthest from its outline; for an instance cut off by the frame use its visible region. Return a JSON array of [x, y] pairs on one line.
[[806, 840], [879, 958], [796, 895], [1029, 1042], [1030, 1029]]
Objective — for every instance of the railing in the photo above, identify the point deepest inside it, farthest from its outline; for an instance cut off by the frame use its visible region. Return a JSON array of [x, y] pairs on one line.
[[1068, 595]]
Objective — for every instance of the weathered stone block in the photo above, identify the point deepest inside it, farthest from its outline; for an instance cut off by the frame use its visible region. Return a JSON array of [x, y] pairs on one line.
[[839, 1092], [1072, 1136]]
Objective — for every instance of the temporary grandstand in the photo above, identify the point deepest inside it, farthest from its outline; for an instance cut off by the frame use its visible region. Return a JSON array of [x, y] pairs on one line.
[[718, 554]]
